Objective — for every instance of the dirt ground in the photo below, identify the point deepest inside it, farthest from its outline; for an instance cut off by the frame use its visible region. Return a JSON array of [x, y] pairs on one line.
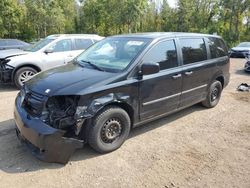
[[196, 147]]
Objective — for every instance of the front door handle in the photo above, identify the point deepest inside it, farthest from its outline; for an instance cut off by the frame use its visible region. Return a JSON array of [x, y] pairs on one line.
[[176, 76], [188, 73]]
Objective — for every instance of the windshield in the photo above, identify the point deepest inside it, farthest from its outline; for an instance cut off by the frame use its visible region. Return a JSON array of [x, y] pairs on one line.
[[244, 44], [38, 45], [112, 54]]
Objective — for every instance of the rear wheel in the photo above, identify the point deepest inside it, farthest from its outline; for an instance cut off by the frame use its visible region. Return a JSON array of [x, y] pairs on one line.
[[213, 95], [23, 74], [109, 130]]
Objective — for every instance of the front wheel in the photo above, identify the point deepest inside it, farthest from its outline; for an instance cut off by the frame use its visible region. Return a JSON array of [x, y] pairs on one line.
[[23, 74], [109, 130], [213, 95]]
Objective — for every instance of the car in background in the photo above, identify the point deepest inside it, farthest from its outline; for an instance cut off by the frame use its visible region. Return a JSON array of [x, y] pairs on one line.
[[12, 44], [17, 66], [241, 50]]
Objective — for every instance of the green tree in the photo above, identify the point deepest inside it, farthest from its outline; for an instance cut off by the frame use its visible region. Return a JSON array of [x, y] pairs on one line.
[[29, 19], [70, 12], [10, 14], [168, 17], [111, 16]]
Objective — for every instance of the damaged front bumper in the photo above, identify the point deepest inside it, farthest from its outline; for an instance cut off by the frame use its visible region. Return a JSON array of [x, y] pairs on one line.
[[46, 143], [5, 72]]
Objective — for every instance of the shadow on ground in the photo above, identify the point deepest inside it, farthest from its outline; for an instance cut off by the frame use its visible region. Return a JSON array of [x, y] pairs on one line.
[[15, 158], [7, 87], [242, 72]]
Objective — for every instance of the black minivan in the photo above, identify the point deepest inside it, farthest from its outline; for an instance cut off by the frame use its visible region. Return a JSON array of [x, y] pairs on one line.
[[118, 83]]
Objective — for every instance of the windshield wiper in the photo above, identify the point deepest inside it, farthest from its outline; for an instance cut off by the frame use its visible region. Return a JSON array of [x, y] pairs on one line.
[[93, 65]]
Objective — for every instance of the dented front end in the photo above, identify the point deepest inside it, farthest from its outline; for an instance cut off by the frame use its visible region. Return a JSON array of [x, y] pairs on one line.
[[54, 126], [50, 126]]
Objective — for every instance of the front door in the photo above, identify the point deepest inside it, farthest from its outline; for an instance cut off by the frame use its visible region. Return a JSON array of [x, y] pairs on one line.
[[61, 53], [160, 92]]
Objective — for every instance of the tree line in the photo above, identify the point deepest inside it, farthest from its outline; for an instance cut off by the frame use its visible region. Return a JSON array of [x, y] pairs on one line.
[[34, 19]]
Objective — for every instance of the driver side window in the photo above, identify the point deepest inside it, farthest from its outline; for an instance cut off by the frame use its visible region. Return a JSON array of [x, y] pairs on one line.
[[62, 46], [163, 53]]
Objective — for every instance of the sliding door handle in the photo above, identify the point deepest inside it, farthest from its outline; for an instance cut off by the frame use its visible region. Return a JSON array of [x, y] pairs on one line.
[[176, 76], [188, 73]]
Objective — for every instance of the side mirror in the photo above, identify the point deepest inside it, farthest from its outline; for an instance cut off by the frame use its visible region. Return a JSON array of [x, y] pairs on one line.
[[48, 50], [149, 68]]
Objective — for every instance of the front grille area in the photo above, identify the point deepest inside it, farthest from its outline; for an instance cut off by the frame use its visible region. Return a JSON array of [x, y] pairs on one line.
[[5, 71], [34, 103]]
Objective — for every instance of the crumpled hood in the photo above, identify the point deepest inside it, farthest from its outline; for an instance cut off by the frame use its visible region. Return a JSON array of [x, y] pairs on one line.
[[67, 80], [12, 52], [241, 48]]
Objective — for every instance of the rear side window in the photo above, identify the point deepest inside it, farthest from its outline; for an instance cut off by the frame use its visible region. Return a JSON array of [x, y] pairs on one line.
[[193, 50], [82, 44], [163, 53], [217, 47]]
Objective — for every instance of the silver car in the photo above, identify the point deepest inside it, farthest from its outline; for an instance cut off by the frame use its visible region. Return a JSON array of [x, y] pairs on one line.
[[17, 66], [242, 50]]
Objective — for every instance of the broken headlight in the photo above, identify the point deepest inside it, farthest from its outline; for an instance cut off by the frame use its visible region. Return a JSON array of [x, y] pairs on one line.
[[63, 112]]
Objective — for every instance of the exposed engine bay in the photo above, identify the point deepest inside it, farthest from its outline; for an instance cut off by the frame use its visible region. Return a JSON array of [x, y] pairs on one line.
[[60, 113]]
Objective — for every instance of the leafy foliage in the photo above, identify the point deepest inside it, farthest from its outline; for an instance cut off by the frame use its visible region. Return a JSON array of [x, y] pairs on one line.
[[33, 19]]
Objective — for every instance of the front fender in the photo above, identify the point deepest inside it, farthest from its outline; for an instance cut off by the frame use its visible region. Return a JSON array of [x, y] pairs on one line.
[[99, 103]]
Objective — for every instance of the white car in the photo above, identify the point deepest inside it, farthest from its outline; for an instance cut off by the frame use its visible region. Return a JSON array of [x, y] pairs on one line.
[[17, 66]]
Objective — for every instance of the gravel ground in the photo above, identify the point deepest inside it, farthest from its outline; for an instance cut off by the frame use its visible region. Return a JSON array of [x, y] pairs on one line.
[[195, 147]]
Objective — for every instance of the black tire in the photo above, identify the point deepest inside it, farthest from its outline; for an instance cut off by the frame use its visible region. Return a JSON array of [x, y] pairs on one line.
[[20, 72], [213, 95], [111, 119]]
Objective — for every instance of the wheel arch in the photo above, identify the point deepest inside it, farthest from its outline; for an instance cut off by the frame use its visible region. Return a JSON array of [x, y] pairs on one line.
[[221, 79], [38, 69], [123, 105]]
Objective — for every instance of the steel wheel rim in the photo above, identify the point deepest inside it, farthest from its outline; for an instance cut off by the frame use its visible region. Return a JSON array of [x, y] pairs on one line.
[[111, 130], [26, 75], [214, 94]]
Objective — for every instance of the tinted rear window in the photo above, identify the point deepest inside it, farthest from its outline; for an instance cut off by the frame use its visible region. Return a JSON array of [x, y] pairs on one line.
[[217, 47], [193, 50]]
